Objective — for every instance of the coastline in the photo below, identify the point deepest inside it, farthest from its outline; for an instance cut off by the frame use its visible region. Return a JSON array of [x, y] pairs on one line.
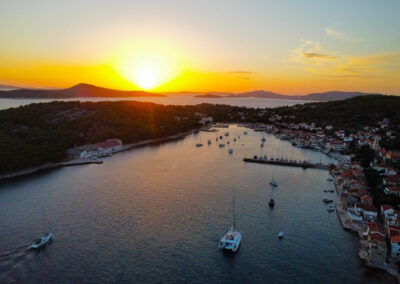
[[359, 229], [78, 162]]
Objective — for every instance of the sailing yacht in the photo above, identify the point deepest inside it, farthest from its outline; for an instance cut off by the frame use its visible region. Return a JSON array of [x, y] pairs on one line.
[[199, 144], [38, 243], [231, 239], [273, 182]]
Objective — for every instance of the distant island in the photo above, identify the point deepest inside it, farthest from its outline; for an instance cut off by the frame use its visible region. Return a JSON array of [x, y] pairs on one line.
[[90, 91], [77, 91], [326, 96]]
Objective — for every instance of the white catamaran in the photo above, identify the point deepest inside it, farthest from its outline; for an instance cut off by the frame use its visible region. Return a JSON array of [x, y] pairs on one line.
[[231, 239]]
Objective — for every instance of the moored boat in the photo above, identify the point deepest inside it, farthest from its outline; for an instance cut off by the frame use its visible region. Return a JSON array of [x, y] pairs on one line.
[[271, 202], [230, 241]]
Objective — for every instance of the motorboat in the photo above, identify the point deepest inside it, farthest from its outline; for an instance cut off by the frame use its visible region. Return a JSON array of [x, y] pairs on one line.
[[329, 179], [281, 235], [230, 151], [221, 145], [199, 145], [209, 142]]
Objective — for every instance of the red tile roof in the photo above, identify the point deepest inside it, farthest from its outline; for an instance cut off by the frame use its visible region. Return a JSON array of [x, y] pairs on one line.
[[108, 144], [386, 207], [369, 207], [393, 188], [395, 239]]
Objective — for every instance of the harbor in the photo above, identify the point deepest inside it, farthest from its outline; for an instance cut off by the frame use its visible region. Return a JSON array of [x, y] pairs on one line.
[[181, 206]]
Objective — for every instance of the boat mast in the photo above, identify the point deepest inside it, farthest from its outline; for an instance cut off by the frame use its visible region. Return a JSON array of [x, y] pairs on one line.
[[233, 211]]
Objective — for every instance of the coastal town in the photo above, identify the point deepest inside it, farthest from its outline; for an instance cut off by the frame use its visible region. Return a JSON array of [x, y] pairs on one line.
[[366, 178]]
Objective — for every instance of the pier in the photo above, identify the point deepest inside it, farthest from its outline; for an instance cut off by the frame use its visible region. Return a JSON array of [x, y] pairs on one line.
[[299, 164]]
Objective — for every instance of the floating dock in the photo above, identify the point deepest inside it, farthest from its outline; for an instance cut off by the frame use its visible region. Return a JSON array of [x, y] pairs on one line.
[[299, 164]]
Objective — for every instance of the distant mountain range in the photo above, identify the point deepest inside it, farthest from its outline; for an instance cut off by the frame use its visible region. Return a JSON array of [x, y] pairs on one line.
[[326, 96], [91, 91], [78, 91], [7, 88]]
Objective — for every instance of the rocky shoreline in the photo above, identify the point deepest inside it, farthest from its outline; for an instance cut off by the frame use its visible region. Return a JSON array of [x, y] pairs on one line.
[[359, 229]]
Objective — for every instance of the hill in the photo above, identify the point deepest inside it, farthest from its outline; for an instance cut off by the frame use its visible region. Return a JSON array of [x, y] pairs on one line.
[[78, 91], [326, 96], [350, 114]]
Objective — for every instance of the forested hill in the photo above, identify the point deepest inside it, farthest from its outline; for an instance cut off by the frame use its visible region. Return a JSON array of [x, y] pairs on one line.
[[348, 114], [35, 134], [39, 133]]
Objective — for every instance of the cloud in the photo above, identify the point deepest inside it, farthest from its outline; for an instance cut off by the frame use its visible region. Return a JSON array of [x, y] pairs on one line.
[[239, 72], [310, 52], [335, 34], [313, 58], [317, 55]]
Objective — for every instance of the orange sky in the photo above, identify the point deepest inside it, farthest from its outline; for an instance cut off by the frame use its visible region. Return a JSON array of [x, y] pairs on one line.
[[286, 47]]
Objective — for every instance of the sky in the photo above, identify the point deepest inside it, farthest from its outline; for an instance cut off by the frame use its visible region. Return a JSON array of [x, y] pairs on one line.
[[284, 46]]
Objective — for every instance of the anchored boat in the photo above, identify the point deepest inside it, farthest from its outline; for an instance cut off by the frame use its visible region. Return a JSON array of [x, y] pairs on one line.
[[230, 241], [271, 202]]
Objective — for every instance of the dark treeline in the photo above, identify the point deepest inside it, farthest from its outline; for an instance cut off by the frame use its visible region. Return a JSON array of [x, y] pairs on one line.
[[350, 114], [36, 134], [40, 133]]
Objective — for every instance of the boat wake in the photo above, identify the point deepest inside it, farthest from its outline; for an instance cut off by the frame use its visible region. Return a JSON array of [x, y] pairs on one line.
[[11, 254]]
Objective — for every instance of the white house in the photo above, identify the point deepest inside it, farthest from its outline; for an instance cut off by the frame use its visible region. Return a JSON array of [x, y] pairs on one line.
[[395, 190], [395, 246], [386, 210]]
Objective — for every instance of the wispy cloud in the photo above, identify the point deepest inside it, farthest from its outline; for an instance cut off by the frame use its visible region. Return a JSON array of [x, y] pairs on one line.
[[335, 34], [317, 55], [239, 72], [312, 57], [310, 52]]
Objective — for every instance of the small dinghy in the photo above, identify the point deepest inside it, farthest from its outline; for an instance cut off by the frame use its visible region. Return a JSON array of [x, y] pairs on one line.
[[281, 235], [230, 151], [271, 202]]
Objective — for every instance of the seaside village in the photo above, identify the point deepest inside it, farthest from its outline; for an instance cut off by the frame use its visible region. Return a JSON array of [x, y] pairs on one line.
[[378, 228]]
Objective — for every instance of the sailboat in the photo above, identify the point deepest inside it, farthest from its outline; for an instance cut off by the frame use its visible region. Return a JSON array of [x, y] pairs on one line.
[[231, 239], [273, 182], [38, 243], [199, 144]]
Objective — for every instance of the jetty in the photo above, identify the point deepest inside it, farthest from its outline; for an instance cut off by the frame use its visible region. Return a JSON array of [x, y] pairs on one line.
[[288, 163]]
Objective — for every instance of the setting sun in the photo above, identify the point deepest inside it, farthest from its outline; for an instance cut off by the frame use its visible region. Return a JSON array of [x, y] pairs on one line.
[[149, 65], [147, 78]]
